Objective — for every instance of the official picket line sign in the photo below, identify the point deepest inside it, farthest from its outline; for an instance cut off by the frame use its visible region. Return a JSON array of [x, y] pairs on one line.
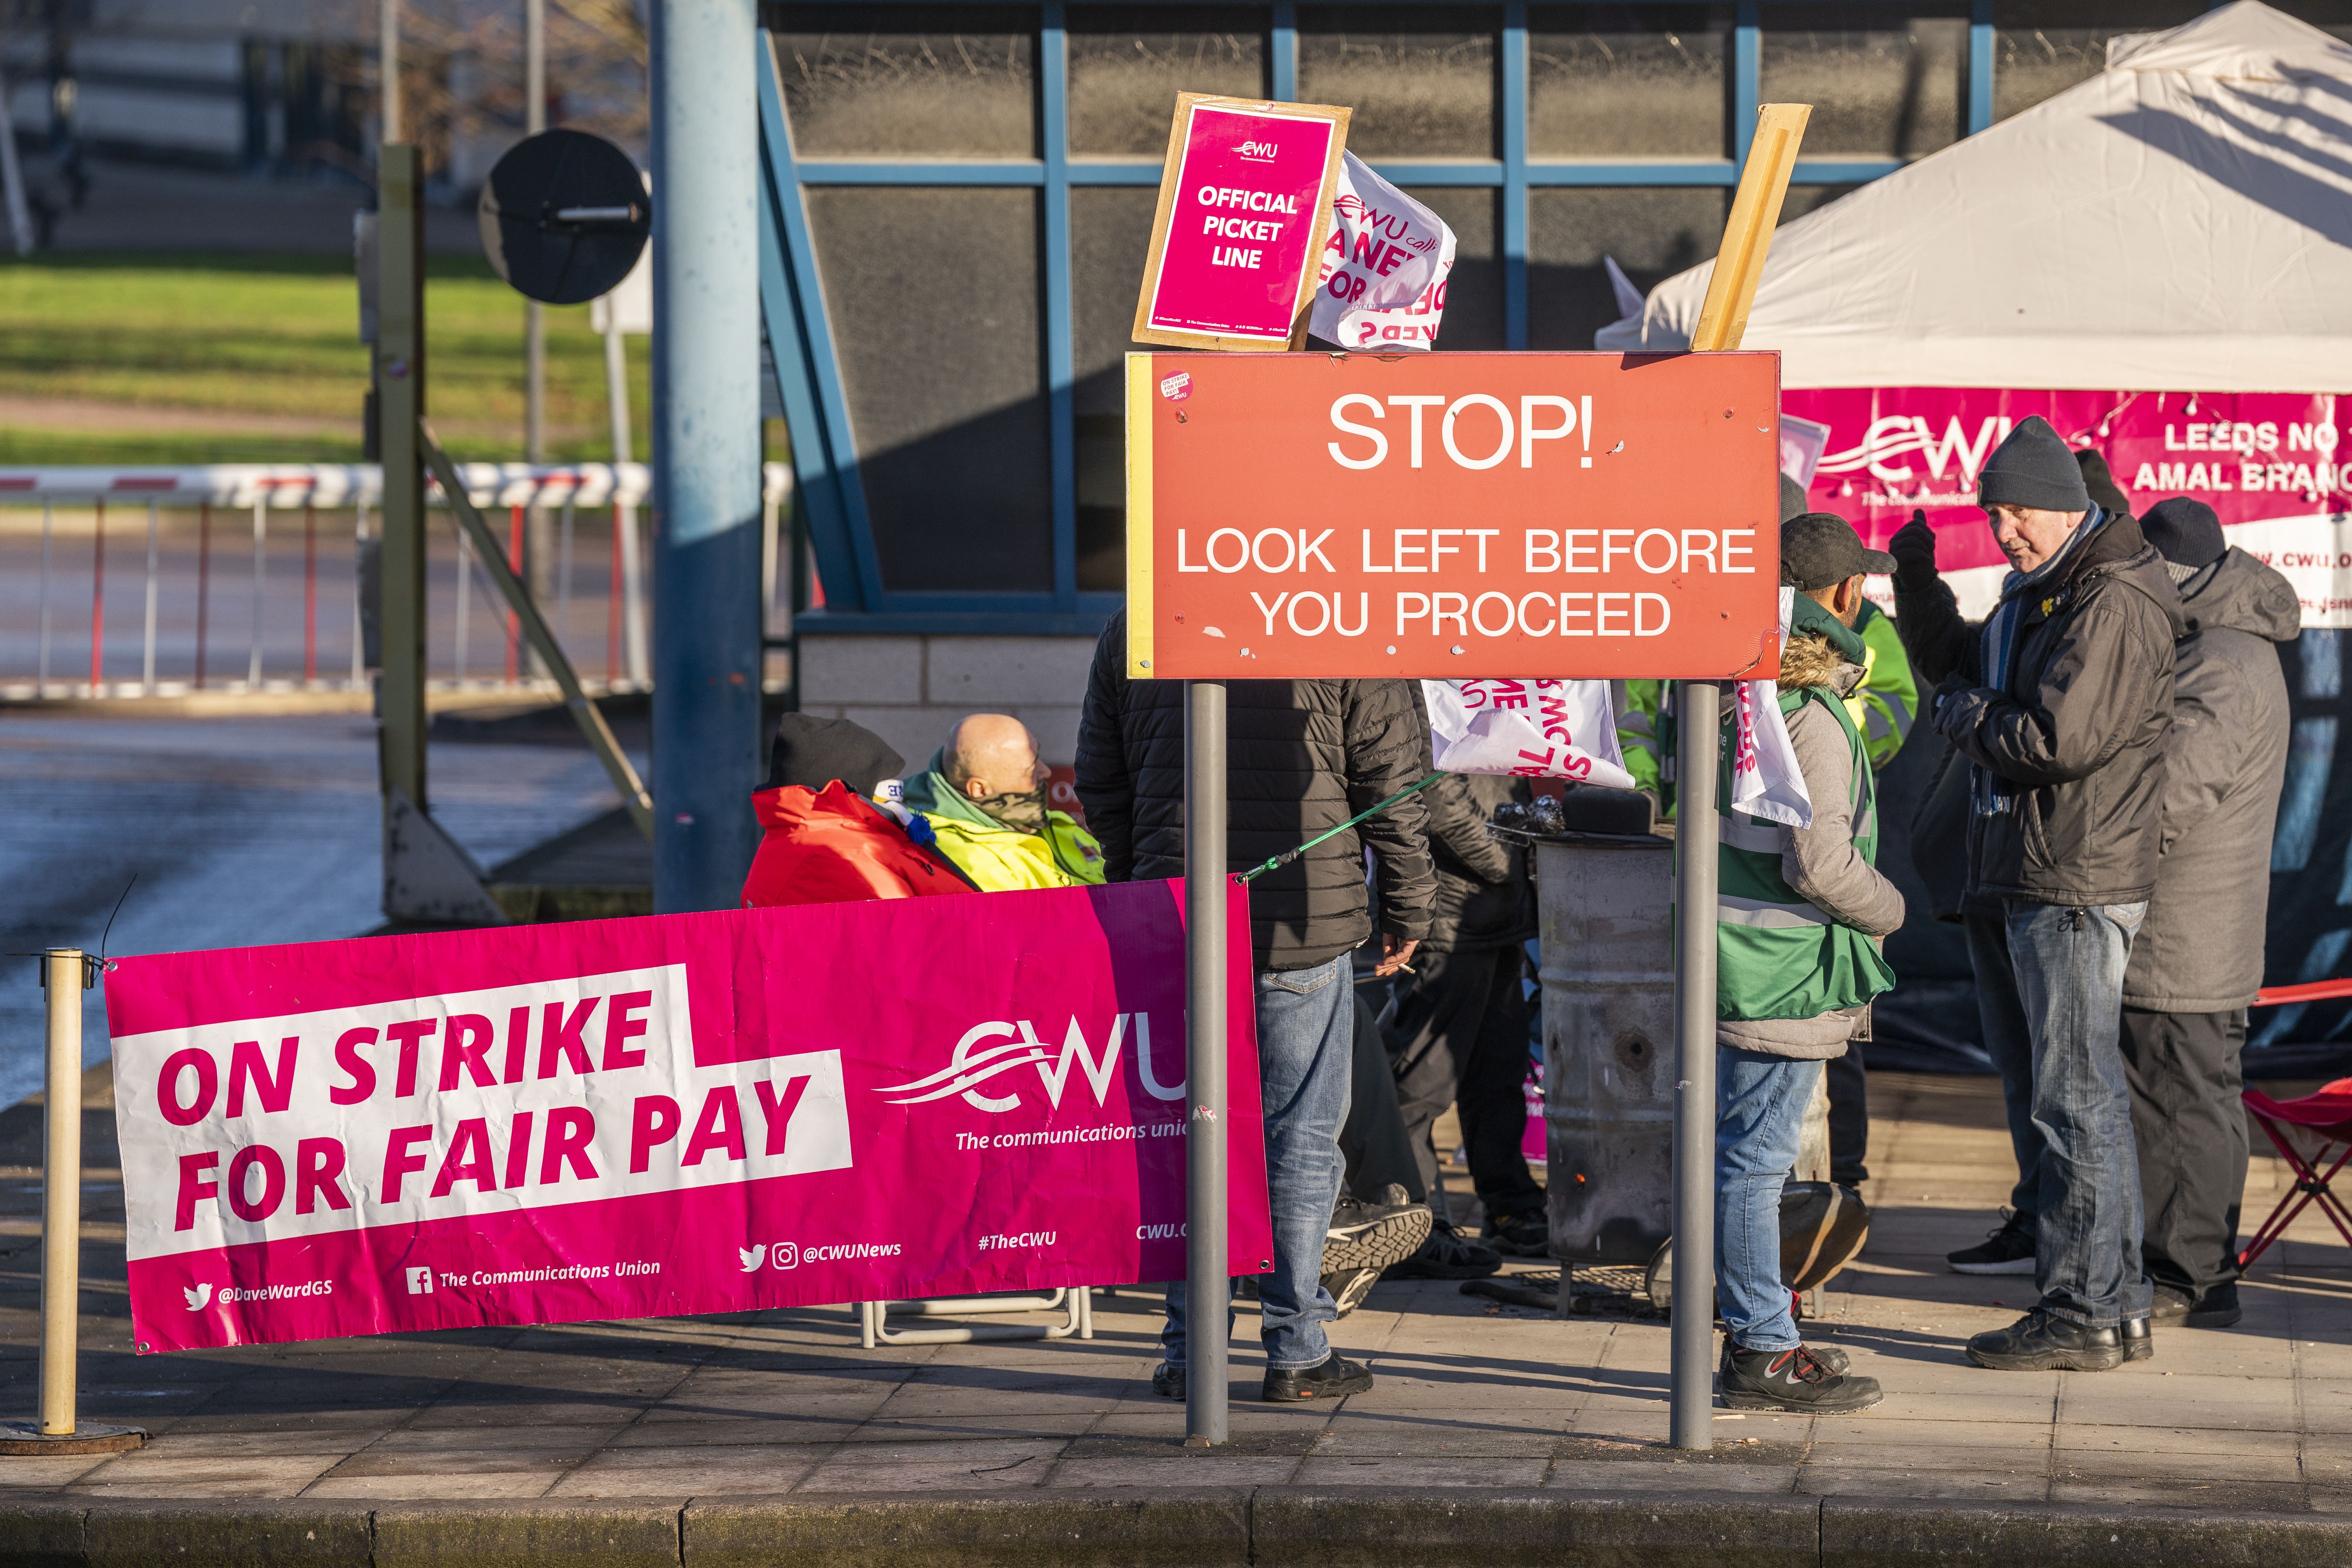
[[668, 1115], [1244, 211], [1445, 516]]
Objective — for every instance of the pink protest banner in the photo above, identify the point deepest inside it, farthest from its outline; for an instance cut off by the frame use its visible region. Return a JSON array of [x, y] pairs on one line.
[[670, 1115], [1244, 207], [2265, 462]]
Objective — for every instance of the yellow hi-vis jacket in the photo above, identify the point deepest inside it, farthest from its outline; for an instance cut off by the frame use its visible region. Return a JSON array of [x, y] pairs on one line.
[[1881, 706]]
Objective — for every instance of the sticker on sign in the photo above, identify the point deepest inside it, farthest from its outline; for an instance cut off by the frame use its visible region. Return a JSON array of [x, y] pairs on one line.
[[1558, 515]]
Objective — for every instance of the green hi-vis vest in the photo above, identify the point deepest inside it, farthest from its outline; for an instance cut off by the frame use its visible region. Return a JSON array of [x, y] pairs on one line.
[[1778, 955]]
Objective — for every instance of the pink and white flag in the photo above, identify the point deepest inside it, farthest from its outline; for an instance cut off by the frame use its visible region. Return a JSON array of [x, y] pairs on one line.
[[669, 1115], [1537, 728], [1384, 267], [1765, 779]]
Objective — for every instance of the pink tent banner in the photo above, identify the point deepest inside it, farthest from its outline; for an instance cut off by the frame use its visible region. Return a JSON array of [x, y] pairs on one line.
[[2267, 463], [671, 1115]]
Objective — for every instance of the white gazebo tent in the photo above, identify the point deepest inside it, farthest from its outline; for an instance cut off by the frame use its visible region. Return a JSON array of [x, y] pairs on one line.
[[2181, 221]]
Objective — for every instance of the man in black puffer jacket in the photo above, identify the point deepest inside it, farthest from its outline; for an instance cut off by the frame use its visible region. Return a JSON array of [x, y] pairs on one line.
[[2060, 702], [1302, 756], [1459, 1031]]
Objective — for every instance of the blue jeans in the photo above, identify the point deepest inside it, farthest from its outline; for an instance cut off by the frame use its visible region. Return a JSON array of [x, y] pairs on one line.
[[2009, 1041], [1760, 1119], [1305, 1058], [2069, 976]]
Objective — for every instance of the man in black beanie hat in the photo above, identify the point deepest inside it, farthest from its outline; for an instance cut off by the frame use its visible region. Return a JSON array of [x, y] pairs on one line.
[[2100, 482], [2061, 701], [2199, 959]]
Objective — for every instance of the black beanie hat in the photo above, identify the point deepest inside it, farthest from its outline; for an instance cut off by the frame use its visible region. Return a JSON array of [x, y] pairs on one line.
[[2034, 469], [2185, 532], [813, 753], [2100, 481], [1792, 499]]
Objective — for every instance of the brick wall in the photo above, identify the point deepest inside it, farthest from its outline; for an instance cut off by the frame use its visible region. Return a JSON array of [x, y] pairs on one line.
[[911, 690]]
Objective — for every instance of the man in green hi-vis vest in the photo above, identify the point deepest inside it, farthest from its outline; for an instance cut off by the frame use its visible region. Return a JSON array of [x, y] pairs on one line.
[[1798, 919]]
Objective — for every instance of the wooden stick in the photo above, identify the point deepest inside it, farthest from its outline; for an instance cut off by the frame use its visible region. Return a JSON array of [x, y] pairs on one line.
[[1748, 236]]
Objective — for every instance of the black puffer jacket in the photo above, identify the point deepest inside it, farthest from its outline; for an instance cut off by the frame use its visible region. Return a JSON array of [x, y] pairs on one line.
[[1485, 900], [1302, 756], [2075, 731]]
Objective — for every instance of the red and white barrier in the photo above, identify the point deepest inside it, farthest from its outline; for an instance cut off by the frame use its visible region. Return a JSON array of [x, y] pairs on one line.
[[346, 484]]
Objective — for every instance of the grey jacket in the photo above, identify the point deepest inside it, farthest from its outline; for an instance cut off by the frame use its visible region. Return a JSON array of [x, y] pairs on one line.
[[1822, 865], [2075, 731], [2201, 950]]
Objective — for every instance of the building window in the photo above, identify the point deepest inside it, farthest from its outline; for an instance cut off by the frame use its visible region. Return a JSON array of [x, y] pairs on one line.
[[935, 81], [1629, 81], [1124, 82], [1415, 94], [1884, 83], [935, 294]]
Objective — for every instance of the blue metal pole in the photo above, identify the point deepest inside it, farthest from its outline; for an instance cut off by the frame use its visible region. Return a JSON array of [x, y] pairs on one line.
[[1980, 42], [706, 456], [1514, 174]]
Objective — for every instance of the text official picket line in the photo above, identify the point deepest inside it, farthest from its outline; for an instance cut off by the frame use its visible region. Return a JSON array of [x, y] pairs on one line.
[[1444, 517], [675, 1114]]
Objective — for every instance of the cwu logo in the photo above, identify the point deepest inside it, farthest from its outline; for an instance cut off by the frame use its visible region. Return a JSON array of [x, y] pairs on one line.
[[976, 1062]]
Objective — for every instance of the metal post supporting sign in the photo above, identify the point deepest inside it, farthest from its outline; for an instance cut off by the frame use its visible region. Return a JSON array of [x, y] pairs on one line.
[[1205, 1264], [1692, 1424], [1723, 318]]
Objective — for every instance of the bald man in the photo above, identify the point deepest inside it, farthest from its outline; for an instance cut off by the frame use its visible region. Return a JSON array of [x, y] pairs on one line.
[[984, 796]]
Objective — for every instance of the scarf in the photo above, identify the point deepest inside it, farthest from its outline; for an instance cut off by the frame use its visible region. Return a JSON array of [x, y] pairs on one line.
[[1993, 794]]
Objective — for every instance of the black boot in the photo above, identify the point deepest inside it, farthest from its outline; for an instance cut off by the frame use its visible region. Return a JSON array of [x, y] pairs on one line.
[[1167, 1382], [1328, 1380], [2040, 1343], [2139, 1344], [2216, 1308], [1791, 1380], [1830, 1356]]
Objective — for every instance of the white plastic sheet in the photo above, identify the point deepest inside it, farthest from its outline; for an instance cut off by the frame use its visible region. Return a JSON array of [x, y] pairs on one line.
[[1385, 267], [1765, 780], [1534, 729]]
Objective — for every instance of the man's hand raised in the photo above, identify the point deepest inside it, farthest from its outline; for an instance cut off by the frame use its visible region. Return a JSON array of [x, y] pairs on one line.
[[1913, 549]]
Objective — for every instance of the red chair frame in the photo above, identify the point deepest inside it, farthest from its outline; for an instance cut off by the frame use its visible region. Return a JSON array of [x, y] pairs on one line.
[[2327, 1114]]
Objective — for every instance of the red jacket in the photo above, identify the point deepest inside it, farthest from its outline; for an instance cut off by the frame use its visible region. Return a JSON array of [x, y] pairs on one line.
[[833, 846]]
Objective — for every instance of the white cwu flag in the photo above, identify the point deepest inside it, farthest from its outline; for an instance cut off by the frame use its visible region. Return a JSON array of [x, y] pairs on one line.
[[1385, 267], [1765, 779], [1537, 728]]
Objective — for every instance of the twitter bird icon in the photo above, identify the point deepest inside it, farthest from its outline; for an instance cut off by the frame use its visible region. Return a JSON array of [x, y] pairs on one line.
[[752, 1256], [197, 1295]]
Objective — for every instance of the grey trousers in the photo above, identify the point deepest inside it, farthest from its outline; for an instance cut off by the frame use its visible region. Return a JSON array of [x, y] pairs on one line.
[[2190, 1128]]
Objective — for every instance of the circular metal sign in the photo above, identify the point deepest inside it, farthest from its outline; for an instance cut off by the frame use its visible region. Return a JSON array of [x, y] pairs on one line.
[[563, 216]]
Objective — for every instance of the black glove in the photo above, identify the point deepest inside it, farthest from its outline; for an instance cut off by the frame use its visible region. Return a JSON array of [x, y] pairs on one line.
[[1913, 549]]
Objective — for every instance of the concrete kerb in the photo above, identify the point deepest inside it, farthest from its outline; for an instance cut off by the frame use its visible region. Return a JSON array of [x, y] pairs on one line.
[[1207, 1527], [1467, 1527], [1264, 1527], [1859, 1533], [123, 1533]]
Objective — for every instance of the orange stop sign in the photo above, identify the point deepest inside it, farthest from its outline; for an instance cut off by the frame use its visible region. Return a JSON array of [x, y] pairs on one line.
[[1443, 516]]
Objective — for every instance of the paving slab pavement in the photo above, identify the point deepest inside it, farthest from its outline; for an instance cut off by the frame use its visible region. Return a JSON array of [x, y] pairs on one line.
[[1501, 1419]]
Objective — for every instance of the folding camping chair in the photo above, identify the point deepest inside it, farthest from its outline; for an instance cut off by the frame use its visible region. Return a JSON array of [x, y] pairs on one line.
[[2328, 1115]]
